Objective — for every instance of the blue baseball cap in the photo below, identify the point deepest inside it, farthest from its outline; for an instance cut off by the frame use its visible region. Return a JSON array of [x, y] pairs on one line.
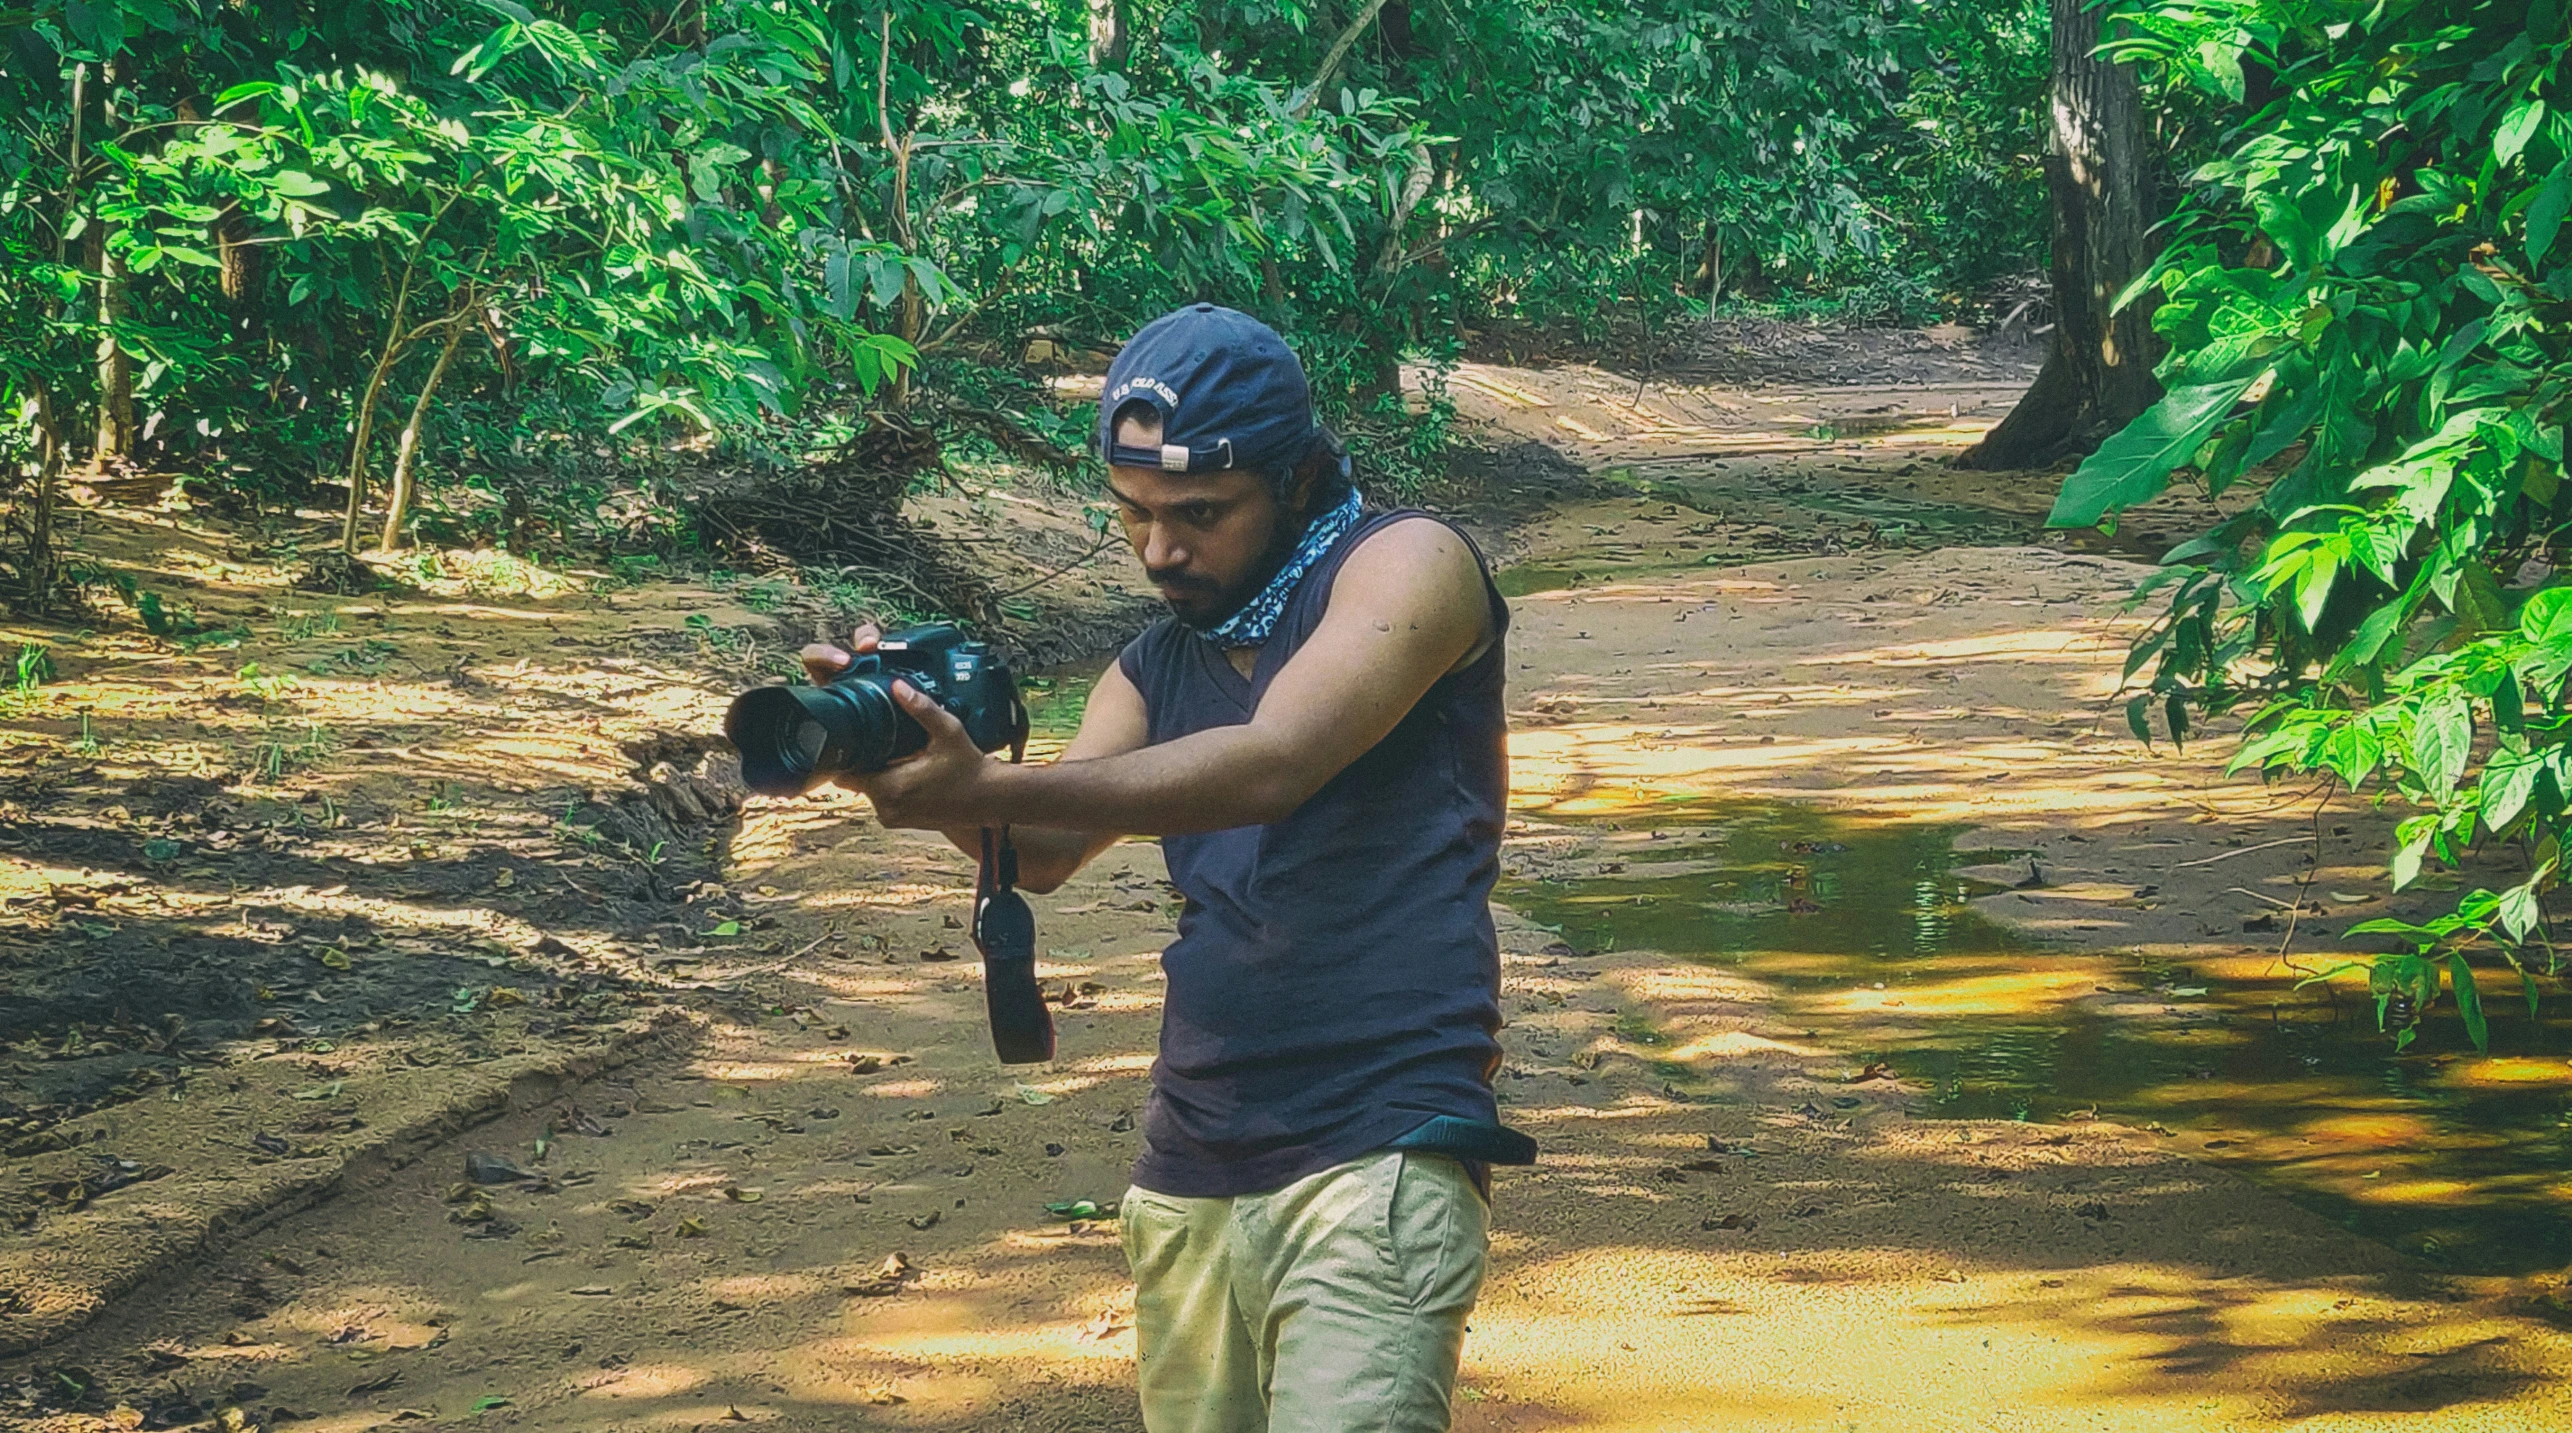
[[1230, 393]]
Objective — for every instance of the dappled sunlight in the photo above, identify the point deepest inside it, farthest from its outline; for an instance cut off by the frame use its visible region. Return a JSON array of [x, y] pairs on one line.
[[1738, 1045], [647, 1380], [2017, 993], [1975, 1337], [1845, 932]]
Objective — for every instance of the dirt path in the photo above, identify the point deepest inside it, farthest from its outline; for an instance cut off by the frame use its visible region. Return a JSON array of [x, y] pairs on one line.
[[832, 1211]]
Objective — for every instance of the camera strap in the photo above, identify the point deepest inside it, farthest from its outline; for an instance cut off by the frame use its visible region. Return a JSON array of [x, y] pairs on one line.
[[1004, 930]]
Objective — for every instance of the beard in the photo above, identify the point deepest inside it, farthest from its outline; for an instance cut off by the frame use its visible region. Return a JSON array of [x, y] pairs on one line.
[[1201, 604]]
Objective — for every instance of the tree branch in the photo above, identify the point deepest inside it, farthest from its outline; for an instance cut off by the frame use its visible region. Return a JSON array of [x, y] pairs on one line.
[[1339, 52]]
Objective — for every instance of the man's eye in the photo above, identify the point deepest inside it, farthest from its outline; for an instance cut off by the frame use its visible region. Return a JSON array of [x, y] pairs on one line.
[[1195, 516]]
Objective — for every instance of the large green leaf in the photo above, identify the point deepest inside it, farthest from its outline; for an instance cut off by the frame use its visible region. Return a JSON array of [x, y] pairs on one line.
[[2545, 212], [2469, 1002], [2135, 465], [2442, 737]]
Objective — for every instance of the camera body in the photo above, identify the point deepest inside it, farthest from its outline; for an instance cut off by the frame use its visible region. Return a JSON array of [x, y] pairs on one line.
[[792, 739]]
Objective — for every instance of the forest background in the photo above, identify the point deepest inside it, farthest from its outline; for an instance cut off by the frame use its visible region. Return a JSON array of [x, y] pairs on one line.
[[532, 265]]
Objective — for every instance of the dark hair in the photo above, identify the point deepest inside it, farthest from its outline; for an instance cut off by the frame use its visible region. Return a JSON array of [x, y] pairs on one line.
[[1326, 463]]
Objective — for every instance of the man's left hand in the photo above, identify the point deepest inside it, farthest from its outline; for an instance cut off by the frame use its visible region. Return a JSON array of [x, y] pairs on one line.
[[941, 786]]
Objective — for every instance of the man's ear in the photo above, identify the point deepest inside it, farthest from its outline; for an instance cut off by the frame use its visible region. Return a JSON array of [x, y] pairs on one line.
[[1299, 492]]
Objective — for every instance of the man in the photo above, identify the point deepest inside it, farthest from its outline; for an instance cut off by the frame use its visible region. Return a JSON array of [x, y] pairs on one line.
[[1317, 735]]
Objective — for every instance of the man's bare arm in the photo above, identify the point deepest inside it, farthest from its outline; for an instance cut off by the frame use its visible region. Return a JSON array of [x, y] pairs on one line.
[[1112, 724], [1407, 607]]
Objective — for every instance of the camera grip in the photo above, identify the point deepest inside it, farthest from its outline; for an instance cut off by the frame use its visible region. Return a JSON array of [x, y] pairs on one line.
[[1022, 1029]]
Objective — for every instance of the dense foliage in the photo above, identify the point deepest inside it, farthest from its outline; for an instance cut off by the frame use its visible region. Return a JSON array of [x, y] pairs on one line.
[[2369, 307], [461, 244]]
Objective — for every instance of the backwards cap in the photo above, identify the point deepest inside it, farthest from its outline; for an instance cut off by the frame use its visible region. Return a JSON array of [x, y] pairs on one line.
[[1229, 391]]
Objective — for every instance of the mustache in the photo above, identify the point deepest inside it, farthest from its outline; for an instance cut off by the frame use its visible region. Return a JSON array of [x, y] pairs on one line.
[[1181, 579]]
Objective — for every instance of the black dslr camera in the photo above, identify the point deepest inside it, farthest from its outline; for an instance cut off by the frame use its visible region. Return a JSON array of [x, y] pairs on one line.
[[793, 739]]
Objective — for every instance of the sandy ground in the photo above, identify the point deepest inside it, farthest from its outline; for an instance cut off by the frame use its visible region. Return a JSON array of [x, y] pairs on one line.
[[832, 1211]]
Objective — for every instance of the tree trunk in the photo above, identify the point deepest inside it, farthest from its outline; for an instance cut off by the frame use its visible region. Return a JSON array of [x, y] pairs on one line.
[[406, 453], [39, 573], [115, 439], [1709, 276], [1110, 38], [910, 317], [396, 343], [2098, 373], [240, 259], [1338, 52]]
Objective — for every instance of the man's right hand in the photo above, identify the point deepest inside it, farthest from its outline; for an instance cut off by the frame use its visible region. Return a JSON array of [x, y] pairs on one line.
[[1113, 722]]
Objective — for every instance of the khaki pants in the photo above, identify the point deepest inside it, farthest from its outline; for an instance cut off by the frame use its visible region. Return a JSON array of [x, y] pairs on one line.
[[1334, 1305]]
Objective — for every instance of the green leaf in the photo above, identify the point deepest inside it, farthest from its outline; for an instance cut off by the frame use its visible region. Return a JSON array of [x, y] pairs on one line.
[[2388, 926], [2414, 835], [2545, 212], [2135, 465], [2519, 912], [2508, 781], [727, 928], [2547, 616], [2313, 588], [2517, 128], [238, 93], [2442, 738], [2469, 1002], [490, 1401]]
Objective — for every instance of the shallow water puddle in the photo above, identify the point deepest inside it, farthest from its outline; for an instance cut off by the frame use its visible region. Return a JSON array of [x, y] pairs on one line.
[[1867, 935], [1056, 696]]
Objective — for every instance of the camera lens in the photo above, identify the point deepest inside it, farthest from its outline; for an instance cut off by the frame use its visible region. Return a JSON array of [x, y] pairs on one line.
[[792, 739], [804, 745]]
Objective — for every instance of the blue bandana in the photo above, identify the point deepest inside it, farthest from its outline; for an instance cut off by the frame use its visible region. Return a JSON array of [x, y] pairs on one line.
[[1250, 626]]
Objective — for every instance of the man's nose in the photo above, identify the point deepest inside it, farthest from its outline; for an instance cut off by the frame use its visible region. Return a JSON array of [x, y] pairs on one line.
[[1160, 552]]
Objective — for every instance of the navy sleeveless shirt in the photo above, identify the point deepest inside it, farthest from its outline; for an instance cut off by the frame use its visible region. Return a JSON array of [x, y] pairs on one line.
[[1336, 980]]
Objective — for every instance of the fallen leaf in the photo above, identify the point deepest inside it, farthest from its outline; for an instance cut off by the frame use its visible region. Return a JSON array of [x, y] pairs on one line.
[[739, 1195], [1034, 1096]]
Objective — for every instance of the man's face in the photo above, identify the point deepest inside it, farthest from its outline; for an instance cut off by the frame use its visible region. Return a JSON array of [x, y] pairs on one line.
[[1206, 539]]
